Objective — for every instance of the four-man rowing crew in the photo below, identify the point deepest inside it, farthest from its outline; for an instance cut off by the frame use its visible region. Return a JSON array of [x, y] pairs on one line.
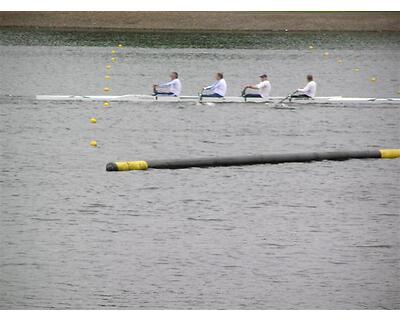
[[170, 92], [219, 87], [336, 100]]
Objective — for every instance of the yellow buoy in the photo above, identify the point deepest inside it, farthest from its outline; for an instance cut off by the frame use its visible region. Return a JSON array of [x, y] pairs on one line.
[[107, 77], [339, 61], [113, 52], [93, 143], [120, 46], [106, 104], [310, 47], [356, 69], [398, 92], [108, 66], [106, 89], [113, 59], [373, 79], [326, 54], [93, 120]]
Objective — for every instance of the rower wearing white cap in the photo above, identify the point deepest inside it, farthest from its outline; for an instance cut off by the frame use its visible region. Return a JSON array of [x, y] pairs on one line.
[[218, 88], [263, 87], [174, 86], [308, 91]]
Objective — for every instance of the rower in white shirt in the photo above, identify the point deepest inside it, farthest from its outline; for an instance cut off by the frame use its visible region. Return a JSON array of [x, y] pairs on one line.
[[264, 88], [218, 88], [174, 86], [308, 91]]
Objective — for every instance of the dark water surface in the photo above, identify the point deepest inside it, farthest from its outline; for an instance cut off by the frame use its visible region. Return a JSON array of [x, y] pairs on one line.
[[196, 39], [316, 235]]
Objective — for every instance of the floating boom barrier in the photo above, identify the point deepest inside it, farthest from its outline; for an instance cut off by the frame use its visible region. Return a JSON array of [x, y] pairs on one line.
[[252, 160]]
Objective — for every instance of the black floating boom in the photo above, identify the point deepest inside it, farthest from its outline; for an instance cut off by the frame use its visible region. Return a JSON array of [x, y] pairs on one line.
[[252, 160]]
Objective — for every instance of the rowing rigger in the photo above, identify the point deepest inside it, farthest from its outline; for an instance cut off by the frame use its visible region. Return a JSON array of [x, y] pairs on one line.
[[232, 99]]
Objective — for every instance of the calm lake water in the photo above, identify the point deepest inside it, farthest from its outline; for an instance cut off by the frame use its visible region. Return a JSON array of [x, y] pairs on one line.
[[319, 235]]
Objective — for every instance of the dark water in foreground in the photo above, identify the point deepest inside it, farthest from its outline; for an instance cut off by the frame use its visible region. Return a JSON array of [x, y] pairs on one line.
[[316, 235]]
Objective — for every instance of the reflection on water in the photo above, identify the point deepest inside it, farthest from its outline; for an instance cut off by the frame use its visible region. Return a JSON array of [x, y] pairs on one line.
[[224, 40]]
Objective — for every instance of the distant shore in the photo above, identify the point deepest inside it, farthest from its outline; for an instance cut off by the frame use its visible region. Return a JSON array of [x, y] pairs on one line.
[[204, 21]]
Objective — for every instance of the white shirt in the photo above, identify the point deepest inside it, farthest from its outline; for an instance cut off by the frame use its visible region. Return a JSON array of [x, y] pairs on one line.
[[175, 86], [310, 89], [219, 87], [264, 88]]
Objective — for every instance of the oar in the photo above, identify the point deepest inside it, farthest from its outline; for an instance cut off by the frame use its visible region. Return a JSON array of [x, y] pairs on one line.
[[244, 93], [201, 95], [285, 98]]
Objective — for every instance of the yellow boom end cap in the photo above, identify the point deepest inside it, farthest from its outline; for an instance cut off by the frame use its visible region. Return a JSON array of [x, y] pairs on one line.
[[132, 165], [390, 153]]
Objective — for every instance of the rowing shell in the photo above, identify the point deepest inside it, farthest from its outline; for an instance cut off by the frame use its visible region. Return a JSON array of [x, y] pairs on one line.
[[150, 98]]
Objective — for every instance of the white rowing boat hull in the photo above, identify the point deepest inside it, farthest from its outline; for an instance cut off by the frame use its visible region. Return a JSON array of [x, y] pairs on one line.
[[150, 98]]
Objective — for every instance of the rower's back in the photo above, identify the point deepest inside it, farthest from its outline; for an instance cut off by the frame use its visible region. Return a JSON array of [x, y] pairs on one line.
[[312, 89]]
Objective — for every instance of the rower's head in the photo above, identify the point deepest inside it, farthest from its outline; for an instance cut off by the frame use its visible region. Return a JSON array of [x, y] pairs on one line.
[[219, 76], [310, 77], [263, 77], [174, 75]]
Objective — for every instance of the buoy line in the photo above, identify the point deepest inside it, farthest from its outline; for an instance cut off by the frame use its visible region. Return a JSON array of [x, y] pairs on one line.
[[106, 88]]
